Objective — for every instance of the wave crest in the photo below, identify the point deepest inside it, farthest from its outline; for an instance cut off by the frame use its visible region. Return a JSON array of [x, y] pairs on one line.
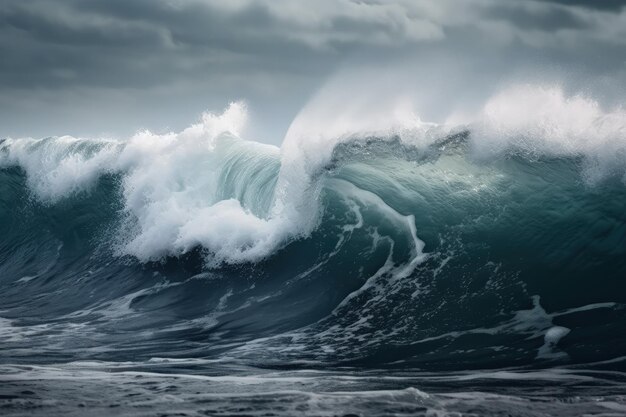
[[241, 200]]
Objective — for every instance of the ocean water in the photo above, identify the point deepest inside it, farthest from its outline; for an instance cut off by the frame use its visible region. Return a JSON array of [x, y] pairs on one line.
[[362, 268]]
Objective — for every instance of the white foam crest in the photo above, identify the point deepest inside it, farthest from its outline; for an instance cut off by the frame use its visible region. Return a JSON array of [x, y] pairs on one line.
[[56, 167], [544, 121], [174, 193], [176, 186]]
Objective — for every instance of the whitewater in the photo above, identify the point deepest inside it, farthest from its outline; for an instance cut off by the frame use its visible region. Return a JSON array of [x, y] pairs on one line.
[[373, 263]]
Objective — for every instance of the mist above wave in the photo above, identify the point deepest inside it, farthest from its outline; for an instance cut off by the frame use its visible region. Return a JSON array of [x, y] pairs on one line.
[[540, 121]]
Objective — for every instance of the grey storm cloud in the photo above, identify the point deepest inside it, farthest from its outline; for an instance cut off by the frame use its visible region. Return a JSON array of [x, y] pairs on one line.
[[141, 61], [615, 5]]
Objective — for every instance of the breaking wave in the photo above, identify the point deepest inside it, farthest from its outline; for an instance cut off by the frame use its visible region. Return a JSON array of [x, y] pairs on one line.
[[499, 241]]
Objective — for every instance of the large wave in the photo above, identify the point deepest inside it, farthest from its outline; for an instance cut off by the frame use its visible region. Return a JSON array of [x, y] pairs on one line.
[[361, 239], [242, 200]]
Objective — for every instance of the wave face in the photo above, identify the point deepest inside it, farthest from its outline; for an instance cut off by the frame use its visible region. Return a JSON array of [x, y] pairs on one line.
[[496, 244]]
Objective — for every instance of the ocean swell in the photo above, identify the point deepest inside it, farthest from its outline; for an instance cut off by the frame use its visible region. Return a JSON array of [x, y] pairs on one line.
[[392, 242]]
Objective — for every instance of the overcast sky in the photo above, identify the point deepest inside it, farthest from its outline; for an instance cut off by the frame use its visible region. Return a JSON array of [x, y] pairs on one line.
[[111, 67]]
